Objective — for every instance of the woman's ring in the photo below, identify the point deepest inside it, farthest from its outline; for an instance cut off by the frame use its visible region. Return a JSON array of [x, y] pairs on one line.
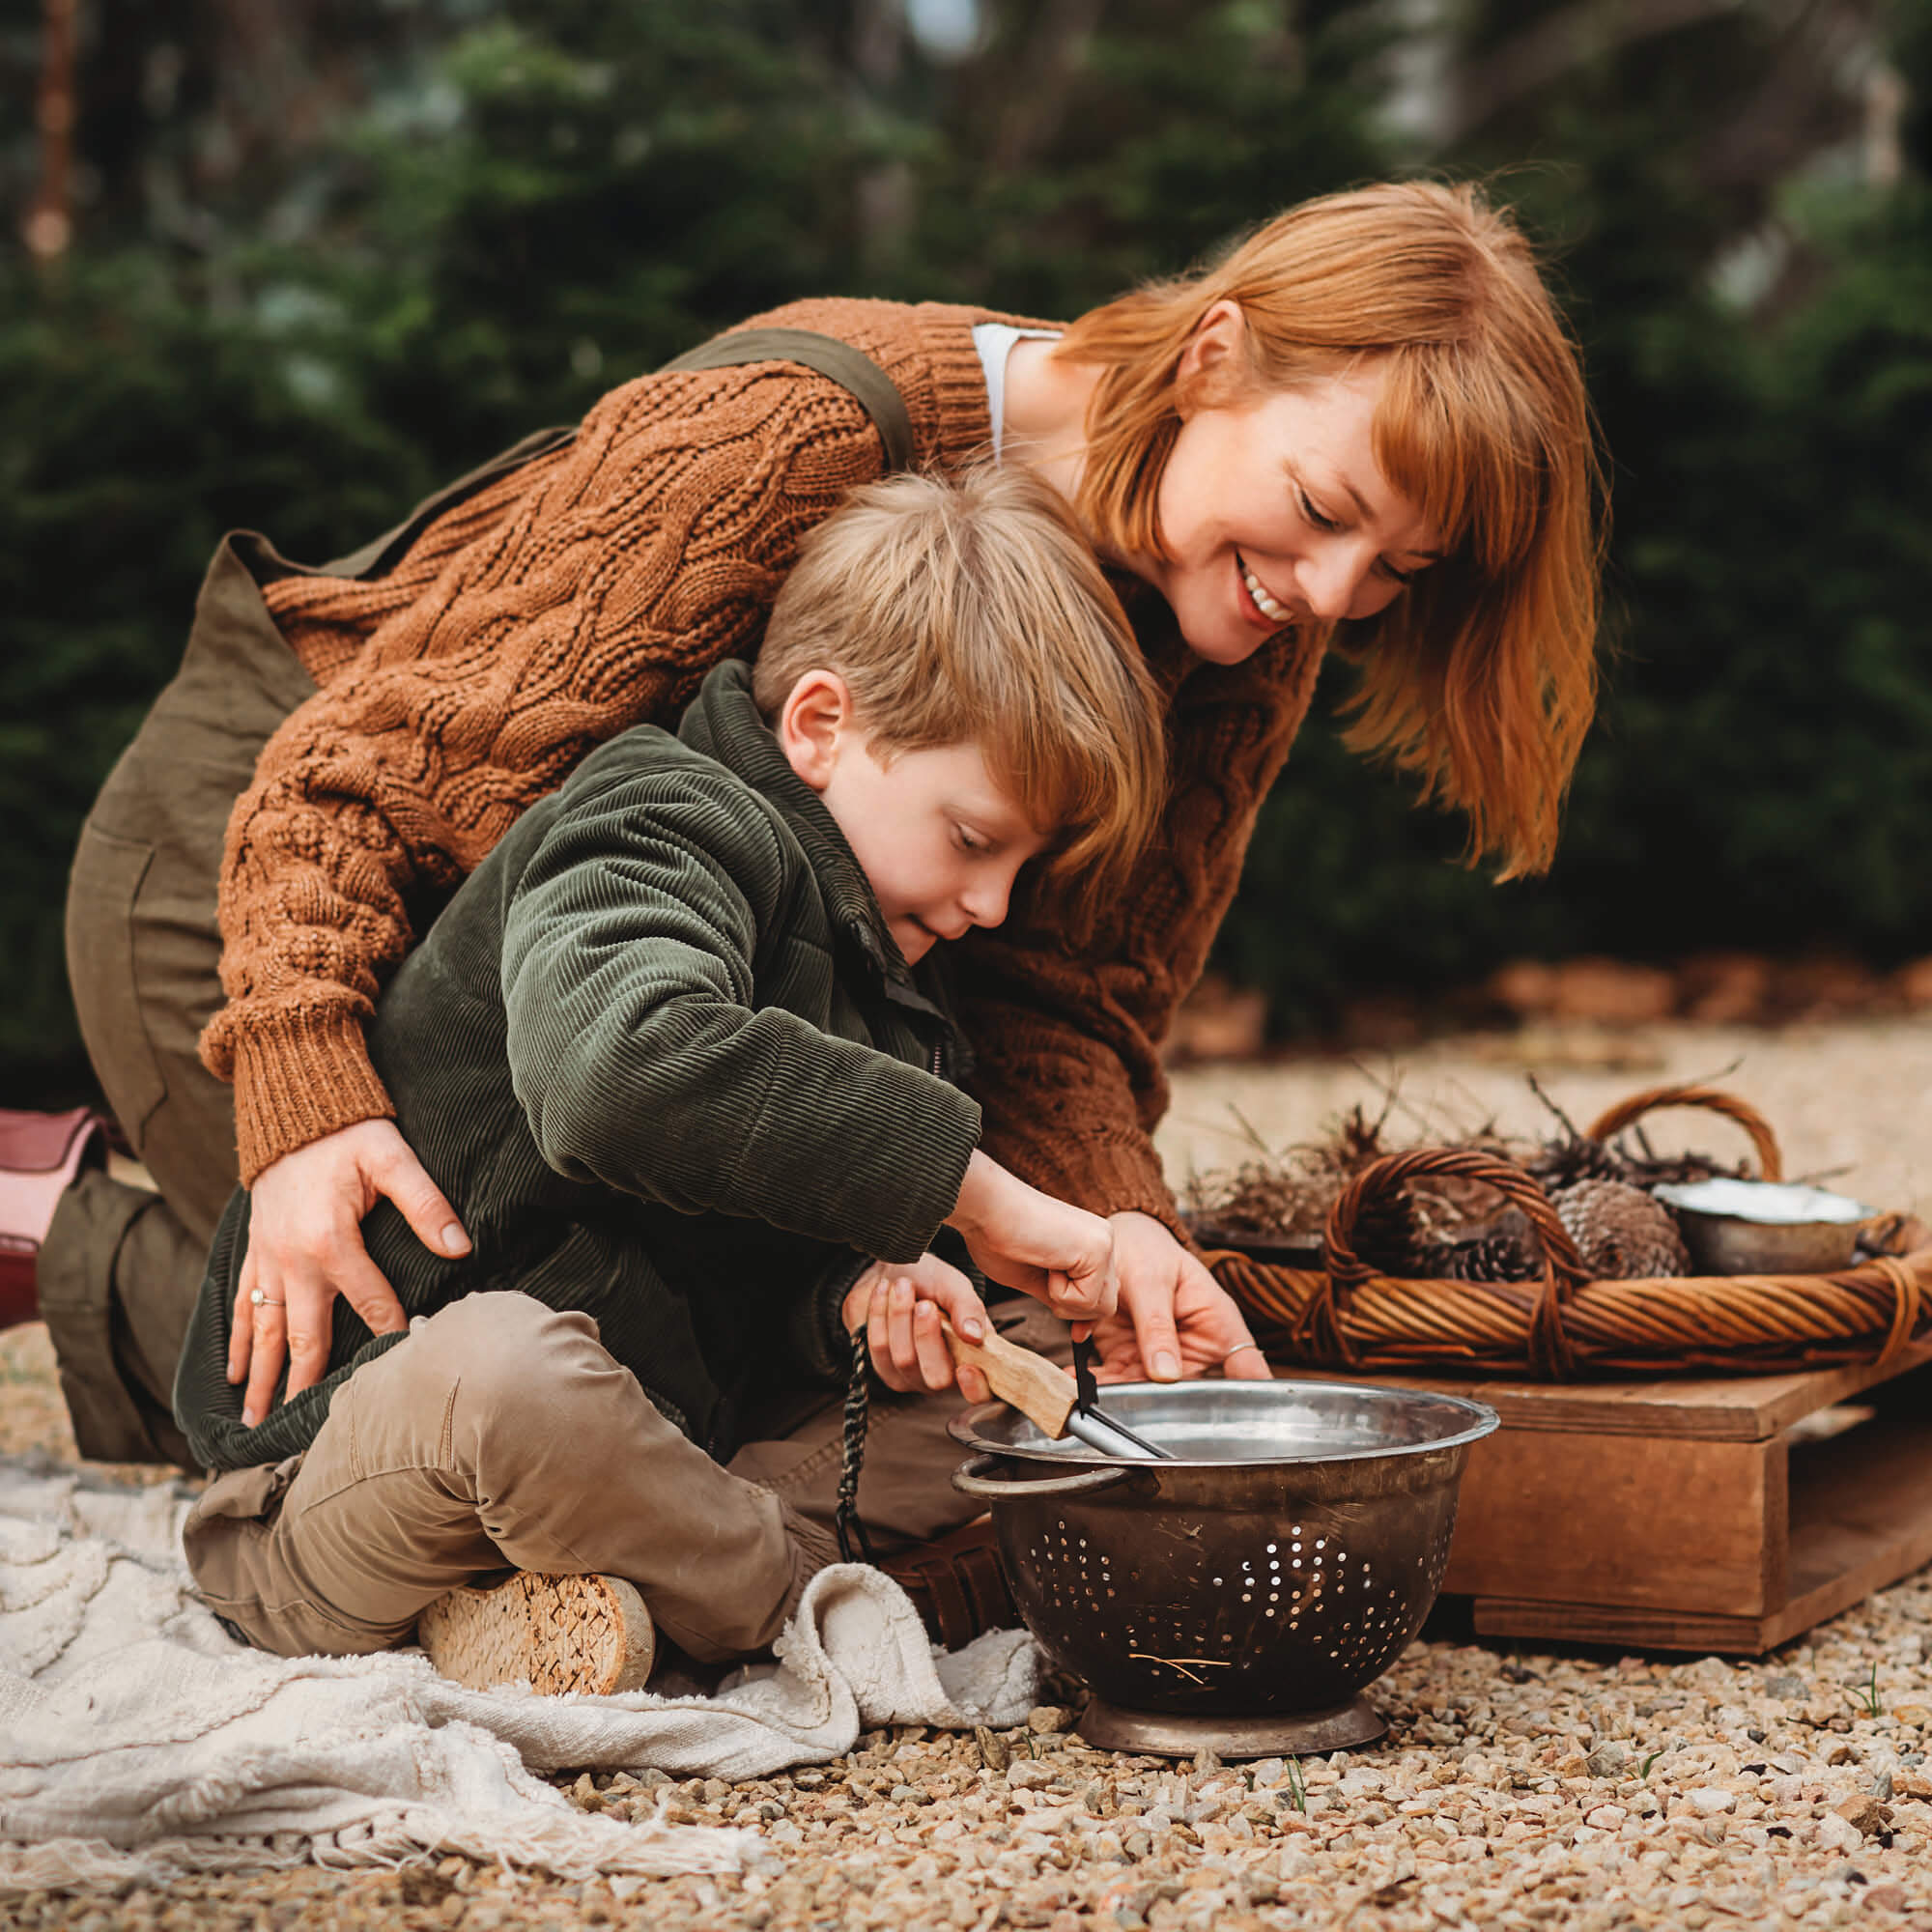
[[261, 1299], [1237, 1348]]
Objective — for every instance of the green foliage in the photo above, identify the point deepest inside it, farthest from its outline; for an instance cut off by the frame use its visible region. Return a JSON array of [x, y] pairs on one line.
[[499, 209], [1761, 771], [133, 431], [1864, 1696], [535, 203]]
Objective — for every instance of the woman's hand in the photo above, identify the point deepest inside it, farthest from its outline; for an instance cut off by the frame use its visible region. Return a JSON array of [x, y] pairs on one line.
[[900, 1310], [305, 1248], [1174, 1320], [1025, 1239]]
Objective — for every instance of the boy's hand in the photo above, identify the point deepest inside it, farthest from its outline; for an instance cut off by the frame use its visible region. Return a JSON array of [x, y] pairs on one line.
[[1025, 1239], [900, 1309]]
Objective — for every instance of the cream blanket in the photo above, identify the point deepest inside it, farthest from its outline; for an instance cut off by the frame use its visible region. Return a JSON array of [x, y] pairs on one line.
[[137, 1740]]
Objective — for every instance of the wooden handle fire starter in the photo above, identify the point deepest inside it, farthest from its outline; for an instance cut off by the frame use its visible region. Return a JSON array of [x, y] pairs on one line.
[[1041, 1392]]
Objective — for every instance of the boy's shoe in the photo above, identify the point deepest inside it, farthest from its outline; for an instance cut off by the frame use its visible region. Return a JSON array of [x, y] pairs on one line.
[[40, 1155], [556, 1634]]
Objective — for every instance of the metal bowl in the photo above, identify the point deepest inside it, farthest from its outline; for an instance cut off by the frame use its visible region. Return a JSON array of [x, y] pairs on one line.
[[1279, 1564]]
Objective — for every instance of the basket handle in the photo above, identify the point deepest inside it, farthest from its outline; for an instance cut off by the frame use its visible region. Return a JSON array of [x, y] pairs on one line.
[[1713, 1099], [1564, 1270]]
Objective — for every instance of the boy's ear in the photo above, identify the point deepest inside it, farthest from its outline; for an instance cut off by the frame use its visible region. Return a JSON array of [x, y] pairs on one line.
[[812, 724]]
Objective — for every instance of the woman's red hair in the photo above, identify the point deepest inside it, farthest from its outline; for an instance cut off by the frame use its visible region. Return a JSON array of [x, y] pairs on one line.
[[1481, 679]]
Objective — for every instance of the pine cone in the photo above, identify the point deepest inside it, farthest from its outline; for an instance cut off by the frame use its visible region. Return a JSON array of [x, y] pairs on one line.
[[1503, 1248], [1622, 1232]]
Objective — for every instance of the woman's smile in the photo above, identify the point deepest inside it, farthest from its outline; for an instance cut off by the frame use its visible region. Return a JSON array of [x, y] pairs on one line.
[[1264, 608]]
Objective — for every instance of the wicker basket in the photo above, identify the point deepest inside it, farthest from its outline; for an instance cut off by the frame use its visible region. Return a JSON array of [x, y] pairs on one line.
[[1567, 1326]]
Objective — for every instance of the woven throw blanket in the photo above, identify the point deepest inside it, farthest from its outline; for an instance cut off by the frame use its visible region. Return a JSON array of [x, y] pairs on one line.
[[139, 1741]]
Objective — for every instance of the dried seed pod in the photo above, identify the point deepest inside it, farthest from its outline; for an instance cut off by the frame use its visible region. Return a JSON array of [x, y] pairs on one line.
[[1561, 1164]]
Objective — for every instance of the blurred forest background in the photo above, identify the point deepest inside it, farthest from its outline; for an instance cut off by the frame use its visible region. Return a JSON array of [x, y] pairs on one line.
[[288, 263]]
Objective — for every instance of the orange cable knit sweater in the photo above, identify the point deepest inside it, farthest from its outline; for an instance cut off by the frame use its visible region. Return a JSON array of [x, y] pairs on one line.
[[590, 590]]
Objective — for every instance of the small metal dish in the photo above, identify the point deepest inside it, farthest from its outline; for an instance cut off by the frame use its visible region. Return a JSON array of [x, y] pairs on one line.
[[1764, 1227]]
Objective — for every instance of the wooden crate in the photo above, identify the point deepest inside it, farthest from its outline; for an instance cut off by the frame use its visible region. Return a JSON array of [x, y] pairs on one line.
[[1699, 1516]]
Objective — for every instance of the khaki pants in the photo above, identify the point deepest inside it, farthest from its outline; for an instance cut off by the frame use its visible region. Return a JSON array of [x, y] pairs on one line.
[[499, 1433]]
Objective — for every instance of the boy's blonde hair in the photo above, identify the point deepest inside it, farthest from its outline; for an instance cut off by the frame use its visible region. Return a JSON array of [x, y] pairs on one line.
[[968, 609]]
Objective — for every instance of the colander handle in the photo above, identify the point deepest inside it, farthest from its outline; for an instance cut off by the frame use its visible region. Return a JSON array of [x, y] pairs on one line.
[[970, 1479]]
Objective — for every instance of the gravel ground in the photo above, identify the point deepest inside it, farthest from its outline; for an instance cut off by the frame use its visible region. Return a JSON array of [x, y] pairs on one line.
[[1516, 1788]]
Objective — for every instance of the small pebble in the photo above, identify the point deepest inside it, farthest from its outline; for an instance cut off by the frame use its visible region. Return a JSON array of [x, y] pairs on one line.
[[1865, 1814]]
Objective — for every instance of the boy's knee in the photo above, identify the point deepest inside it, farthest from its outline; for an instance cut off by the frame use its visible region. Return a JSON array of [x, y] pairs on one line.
[[503, 1346], [507, 1373], [496, 1369]]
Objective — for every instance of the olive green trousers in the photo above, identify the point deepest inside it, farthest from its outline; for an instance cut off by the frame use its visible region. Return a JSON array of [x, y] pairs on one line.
[[121, 1269]]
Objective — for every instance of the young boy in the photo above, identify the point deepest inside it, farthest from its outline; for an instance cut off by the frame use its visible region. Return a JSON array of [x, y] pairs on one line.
[[679, 1055]]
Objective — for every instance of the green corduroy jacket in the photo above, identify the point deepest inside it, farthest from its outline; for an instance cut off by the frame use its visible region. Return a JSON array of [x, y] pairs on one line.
[[670, 1070]]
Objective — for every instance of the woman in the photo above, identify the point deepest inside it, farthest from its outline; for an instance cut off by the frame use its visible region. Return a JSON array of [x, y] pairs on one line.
[[1365, 426]]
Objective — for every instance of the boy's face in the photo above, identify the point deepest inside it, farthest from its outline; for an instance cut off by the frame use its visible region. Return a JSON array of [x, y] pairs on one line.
[[939, 840]]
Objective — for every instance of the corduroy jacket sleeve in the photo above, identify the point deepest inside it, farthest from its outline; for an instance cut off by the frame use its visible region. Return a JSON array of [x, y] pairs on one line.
[[1068, 1043], [646, 1055]]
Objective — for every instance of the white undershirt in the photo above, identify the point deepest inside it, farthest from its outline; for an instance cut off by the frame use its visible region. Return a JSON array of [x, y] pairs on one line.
[[994, 340]]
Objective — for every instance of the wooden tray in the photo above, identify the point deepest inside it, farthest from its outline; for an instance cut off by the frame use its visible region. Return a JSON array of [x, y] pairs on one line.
[[1693, 1515]]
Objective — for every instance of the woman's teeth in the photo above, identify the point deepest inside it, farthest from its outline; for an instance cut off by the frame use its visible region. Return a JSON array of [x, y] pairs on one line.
[[1276, 614]]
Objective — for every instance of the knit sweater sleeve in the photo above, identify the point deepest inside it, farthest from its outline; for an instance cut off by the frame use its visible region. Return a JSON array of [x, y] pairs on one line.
[[615, 574], [1068, 1070]]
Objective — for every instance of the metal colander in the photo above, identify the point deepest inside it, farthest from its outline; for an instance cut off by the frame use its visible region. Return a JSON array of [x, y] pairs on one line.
[[1277, 1565]]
